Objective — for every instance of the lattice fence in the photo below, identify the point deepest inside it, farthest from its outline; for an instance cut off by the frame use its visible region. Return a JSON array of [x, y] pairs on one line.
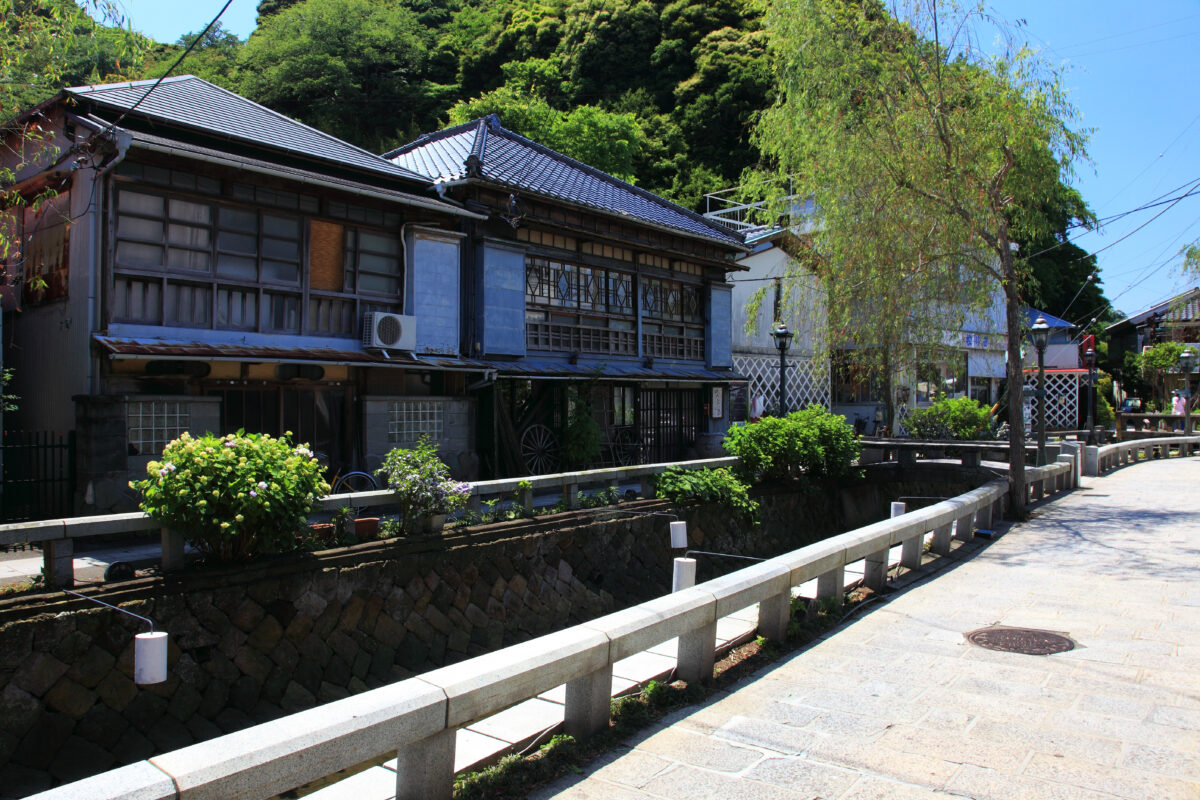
[[807, 380], [1062, 400]]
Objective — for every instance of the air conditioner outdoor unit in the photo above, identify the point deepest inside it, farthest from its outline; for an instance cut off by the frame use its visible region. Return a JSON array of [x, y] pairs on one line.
[[383, 331]]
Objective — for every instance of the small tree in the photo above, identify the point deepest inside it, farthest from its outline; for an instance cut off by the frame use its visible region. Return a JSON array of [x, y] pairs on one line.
[[926, 159], [1157, 364]]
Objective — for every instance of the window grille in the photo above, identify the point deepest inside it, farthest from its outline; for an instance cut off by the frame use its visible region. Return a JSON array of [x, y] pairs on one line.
[[152, 424], [409, 420]]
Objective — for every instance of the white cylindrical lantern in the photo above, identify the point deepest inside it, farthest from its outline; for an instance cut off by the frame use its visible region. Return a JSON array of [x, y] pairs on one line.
[[898, 509], [685, 574], [679, 534], [150, 657]]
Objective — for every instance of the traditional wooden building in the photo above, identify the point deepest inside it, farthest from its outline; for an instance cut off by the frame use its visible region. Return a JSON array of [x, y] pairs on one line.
[[203, 263], [580, 289]]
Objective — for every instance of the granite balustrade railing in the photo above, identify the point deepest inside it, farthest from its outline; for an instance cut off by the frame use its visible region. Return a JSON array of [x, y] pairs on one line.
[[417, 719], [57, 536], [1098, 460]]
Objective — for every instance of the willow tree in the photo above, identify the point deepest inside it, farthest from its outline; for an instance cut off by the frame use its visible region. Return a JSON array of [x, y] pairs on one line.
[[926, 158]]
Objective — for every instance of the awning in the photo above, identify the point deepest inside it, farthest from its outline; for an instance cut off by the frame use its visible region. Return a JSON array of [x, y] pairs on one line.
[[146, 348], [183, 350]]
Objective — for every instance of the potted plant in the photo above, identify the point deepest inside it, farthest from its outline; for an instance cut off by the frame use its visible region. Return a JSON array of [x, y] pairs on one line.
[[423, 488], [234, 497]]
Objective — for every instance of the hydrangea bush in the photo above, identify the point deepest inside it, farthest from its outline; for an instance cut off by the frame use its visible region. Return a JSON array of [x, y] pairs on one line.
[[234, 497], [422, 484]]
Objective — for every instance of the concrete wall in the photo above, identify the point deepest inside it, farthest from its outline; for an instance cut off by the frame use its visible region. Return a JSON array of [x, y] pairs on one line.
[[103, 463], [500, 291], [433, 293], [454, 445]]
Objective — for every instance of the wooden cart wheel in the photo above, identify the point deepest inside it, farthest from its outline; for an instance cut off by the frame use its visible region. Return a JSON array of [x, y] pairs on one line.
[[539, 449]]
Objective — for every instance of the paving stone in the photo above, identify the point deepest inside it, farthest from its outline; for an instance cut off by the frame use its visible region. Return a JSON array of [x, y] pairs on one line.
[[689, 783]]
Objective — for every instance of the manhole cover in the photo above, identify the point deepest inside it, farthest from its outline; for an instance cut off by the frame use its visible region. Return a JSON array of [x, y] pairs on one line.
[[1028, 641]]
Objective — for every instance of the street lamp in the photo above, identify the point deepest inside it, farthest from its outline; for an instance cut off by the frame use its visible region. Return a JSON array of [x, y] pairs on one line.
[[1089, 358], [1040, 332], [783, 340], [1187, 363]]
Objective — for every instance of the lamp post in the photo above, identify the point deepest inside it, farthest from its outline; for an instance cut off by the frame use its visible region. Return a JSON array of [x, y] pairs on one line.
[[1089, 358], [1187, 363], [1040, 332], [783, 340]]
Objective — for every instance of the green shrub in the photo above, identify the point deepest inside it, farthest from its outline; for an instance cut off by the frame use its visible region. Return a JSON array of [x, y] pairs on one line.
[[837, 446], [958, 418], [810, 442], [718, 486], [1106, 416], [422, 484], [236, 496]]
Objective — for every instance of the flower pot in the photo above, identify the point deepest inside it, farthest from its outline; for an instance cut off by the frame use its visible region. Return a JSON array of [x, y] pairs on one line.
[[324, 532], [433, 523], [366, 528]]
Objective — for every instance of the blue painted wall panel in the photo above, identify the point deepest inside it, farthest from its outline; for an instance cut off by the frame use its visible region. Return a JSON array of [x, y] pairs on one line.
[[720, 345], [434, 296], [500, 323]]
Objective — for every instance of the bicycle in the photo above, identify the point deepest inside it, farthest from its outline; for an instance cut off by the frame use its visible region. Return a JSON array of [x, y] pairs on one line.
[[348, 482], [352, 482]]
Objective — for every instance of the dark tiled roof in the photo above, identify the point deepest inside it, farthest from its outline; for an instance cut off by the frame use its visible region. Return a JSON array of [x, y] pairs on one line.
[[1180, 309], [484, 149], [191, 102]]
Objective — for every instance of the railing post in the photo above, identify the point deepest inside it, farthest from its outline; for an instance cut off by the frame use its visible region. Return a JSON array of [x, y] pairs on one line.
[[964, 527], [1091, 461], [983, 517], [832, 584], [58, 562], [588, 699], [172, 550], [1068, 477], [648, 486], [526, 496], [875, 565], [697, 654], [940, 544], [570, 491], [774, 613], [425, 769]]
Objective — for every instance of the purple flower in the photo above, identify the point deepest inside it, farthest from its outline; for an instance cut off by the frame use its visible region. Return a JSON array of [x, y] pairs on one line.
[[231, 444], [253, 493]]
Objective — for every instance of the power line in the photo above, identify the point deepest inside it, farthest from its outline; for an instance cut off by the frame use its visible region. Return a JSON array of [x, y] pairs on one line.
[[170, 69]]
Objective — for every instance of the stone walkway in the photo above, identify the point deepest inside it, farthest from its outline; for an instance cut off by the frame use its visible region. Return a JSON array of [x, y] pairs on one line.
[[897, 705]]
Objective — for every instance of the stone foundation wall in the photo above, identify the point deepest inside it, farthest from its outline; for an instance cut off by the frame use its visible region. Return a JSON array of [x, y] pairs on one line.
[[249, 644]]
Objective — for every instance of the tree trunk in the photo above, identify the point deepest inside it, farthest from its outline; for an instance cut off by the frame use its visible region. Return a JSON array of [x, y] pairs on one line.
[[1016, 380]]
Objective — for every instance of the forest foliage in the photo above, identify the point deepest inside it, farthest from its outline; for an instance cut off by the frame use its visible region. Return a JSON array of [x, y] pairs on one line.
[[662, 93]]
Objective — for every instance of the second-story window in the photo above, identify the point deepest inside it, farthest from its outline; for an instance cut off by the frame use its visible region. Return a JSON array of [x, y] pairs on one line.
[[194, 262], [373, 263], [576, 308], [673, 324]]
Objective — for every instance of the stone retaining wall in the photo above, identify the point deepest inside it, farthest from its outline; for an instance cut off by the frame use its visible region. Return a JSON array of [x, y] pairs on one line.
[[252, 643]]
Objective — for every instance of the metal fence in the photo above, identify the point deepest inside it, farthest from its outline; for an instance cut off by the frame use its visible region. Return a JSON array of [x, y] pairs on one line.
[[38, 475]]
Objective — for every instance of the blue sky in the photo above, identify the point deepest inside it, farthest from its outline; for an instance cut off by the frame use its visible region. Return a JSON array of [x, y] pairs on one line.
[[1133, 71]]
